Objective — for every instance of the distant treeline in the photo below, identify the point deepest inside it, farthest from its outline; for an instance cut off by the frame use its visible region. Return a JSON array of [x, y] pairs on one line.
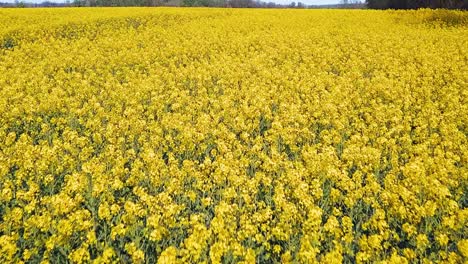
[[27, 4], [201, 3], [373, 4], [414, 4]]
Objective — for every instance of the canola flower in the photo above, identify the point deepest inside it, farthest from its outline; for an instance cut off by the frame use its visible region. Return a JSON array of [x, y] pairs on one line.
[[160, 135]]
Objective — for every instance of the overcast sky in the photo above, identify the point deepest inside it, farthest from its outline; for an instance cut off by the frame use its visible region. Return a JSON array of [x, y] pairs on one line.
[[308, 2]]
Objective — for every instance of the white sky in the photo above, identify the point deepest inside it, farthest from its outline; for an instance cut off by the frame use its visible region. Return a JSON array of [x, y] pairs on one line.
[[308, 2]]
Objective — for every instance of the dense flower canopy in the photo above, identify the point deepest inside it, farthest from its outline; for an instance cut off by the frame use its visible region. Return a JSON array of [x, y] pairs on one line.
[[223, 136]]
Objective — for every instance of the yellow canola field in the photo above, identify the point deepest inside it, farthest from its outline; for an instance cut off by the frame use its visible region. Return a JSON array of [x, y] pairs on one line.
[[225, 136]]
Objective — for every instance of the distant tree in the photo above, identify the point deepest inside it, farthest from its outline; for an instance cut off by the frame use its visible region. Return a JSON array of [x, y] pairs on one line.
[[188, 3], [292, 5], [241, 3], [377, 4], [77, 3], [414, 4]]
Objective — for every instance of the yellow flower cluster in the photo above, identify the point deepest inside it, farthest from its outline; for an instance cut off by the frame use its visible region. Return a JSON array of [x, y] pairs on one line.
[[163, 135]]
